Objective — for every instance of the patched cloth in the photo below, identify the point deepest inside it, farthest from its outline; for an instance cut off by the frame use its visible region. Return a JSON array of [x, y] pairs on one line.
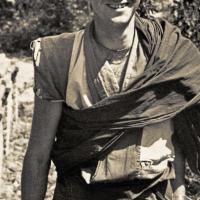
[[168, 88]]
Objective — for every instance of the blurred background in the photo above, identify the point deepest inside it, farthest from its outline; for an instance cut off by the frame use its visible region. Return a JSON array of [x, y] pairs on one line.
[[22, 21]]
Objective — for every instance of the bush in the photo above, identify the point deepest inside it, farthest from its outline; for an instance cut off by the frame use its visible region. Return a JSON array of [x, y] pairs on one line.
[[32, 19], [25, 20], [186, 15]]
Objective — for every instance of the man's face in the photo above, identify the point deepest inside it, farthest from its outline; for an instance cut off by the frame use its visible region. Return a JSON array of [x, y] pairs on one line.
[[116, 11]]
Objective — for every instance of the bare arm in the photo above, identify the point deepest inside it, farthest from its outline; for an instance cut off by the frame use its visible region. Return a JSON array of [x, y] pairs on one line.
[[37, 159], [178, 184]]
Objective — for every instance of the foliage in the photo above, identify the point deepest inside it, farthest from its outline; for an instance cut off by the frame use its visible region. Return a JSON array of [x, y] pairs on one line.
[[21, 21], [183, 13], [147, 7], [31, 19], [186, 15]]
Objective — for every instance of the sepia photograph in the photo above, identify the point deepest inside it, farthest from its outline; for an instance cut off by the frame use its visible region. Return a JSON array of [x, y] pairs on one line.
[[100, 100]]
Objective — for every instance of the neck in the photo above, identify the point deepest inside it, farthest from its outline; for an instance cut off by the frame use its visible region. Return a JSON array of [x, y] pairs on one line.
[[114, 36]]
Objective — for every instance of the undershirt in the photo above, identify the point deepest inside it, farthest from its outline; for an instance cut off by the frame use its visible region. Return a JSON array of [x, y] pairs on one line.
[[130, 154]]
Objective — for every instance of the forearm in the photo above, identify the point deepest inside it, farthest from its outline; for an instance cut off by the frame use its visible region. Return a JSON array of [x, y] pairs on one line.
[[34, 179], [178, 187], [37, 160], [178, 184]]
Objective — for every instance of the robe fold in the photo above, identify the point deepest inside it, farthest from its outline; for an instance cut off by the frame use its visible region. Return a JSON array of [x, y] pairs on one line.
[[169, 88]]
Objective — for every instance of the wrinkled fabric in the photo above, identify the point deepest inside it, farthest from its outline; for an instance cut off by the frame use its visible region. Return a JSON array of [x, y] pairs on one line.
[[126, 160], [105, 78], [169, 88], [169, 85], [74, 188]]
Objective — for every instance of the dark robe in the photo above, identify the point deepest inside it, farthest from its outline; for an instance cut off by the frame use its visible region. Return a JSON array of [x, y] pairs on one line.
[[168, 89]]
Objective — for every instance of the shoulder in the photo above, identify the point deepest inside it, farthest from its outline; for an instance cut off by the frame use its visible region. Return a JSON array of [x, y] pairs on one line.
[[156, 25], [58, 40], [150, 32], [51, 58], [55, 42], [52, 47], [156, 31]]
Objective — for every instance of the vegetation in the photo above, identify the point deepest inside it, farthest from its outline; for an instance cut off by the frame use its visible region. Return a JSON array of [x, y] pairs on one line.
[[25, 20], [186, 15], [21, 21]]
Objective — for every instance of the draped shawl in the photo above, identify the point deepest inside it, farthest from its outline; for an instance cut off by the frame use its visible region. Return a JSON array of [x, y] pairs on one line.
[[168, 88]]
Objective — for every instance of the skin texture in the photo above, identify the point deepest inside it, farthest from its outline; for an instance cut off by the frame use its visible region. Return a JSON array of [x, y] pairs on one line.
[[178, 184], [105, 13], [114, 29], [37, 158]]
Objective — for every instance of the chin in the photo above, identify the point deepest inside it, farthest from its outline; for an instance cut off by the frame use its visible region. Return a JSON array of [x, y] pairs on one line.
[[121, 20]]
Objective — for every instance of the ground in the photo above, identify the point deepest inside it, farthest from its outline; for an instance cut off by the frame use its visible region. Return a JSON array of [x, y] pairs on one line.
[[12, 165]]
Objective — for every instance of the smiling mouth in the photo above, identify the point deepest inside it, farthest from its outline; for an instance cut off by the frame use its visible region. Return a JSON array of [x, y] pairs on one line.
[[118, 6]]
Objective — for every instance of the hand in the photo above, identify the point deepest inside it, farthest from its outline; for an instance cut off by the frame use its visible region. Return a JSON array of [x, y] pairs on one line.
[[157, 152], [179, 193]]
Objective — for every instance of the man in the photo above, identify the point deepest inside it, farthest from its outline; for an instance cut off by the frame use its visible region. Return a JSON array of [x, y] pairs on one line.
[[108, 108]]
